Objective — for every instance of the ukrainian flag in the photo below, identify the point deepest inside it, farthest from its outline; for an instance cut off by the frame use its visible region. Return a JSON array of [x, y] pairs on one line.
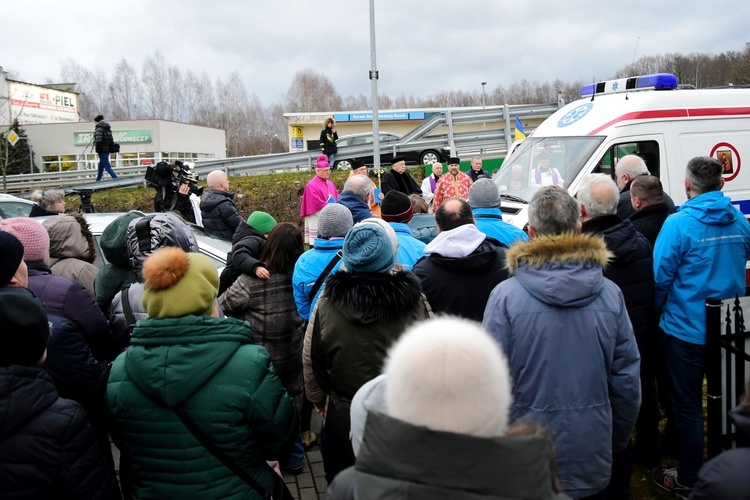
[[520, 133]]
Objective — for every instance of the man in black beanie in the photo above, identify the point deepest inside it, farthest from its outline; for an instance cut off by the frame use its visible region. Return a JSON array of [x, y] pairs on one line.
[[13, 270], [397, 211]]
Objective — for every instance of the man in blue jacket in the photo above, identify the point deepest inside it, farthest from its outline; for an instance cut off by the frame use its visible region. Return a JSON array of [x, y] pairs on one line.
[[701, 252], [565, 330]]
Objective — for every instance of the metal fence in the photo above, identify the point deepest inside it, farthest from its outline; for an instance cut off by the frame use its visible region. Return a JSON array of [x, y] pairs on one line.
[[727, 362], [493, 139]]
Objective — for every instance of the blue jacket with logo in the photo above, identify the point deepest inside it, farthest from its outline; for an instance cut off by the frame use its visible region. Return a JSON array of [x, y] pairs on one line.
[[410, 249], [308, 268], [700, 253]]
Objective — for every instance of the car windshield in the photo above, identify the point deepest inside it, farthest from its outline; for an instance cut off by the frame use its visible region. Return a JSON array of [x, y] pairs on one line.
[[543, 161]]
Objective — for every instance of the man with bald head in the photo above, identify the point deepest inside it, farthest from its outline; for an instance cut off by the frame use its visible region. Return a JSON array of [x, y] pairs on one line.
[[218, 211], [463, 265], [629, 168]]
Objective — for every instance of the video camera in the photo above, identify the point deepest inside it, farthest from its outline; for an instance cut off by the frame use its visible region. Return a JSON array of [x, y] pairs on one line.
[[168, 176]]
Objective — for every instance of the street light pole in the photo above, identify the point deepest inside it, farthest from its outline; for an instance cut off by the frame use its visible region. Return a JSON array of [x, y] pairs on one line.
[[374, 82], [270, 143], [484, 124]]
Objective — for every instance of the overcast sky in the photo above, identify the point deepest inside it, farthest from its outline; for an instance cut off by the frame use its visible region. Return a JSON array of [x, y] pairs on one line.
[[423, 46]]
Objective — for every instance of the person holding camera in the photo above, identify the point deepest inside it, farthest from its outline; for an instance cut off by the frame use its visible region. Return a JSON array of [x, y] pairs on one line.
[[104, 144], [172, 193]]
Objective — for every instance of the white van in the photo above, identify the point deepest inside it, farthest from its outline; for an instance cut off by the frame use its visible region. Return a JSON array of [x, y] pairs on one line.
[[646, 115]]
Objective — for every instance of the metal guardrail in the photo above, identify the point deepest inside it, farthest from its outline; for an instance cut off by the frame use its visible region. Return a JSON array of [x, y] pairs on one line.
[[491, 140]]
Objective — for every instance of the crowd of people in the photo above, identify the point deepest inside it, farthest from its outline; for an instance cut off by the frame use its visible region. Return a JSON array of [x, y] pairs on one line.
[[449, 353]]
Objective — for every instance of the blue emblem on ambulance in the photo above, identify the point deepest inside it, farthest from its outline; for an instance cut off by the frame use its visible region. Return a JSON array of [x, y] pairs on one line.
[[575, 114]]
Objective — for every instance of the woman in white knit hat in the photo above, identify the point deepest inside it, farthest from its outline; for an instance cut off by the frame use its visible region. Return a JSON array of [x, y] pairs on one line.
[[441, 429]]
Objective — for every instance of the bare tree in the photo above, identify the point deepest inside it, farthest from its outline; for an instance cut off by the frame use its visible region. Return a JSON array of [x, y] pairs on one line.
[[155, 85], [311, 91], [125, 91]]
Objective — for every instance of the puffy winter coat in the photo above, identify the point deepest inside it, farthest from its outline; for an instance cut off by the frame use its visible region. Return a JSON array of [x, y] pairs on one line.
[[268, 305], [308, 269], [423, 227], [47, 448], [701, 252], [226, 385], [247, 244], [725, 476], [357, 319], [103, 137], [573, 357], [72, 249], [117, 273], [219, 214], [631, 268], [143, 237], [67, 298], [397, 457]]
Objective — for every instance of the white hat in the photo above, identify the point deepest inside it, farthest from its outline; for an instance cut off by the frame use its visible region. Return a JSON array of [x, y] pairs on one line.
[[448, 374], [370, 396]]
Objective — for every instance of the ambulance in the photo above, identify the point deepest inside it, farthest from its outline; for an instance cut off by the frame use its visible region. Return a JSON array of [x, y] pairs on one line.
[[647, 115]]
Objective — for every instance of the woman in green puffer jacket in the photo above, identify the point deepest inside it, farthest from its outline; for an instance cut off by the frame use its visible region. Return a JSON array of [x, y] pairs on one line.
[[184, 357]]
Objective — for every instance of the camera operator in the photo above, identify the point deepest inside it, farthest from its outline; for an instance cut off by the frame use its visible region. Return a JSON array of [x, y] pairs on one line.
[[172, 190]]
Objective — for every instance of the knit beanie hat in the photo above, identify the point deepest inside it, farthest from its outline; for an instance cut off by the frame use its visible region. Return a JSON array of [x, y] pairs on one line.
[[448, 374], [25, 331], [322, 162], [11, 255], [370, 396], [367, 249], [396, 207], [98, 118], [261, 222], [114, 240], [484, 194], [32, 236], [179, 284], [335, 220], [376, 221]]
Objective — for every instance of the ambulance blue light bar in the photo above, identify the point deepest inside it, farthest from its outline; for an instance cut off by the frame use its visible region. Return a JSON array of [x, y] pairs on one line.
[[658, 81]]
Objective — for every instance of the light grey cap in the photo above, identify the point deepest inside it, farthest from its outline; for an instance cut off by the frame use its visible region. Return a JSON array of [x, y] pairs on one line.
[[484, 194], [370, 396], [335, 220]]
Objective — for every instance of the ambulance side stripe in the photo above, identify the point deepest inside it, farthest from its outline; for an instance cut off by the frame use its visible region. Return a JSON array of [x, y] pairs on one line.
[[662, 114]]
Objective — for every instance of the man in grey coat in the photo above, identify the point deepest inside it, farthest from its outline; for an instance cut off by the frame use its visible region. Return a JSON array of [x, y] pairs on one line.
[[566, 333]]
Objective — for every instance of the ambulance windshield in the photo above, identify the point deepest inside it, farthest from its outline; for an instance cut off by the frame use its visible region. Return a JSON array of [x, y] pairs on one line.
[[543, 161]]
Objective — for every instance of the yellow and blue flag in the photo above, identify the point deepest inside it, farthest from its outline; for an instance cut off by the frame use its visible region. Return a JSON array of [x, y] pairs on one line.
[[520, 133]]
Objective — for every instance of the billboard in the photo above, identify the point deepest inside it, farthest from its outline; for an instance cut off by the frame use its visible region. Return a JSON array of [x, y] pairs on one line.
[[139, 136], [32, 104]]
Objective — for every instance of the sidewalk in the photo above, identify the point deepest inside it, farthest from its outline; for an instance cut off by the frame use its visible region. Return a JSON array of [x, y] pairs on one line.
[[311, 484]]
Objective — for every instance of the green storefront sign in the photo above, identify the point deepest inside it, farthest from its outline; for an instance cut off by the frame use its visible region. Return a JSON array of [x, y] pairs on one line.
[[143, 136]]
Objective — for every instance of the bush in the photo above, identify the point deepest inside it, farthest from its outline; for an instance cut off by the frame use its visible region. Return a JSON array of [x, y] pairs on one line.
[[277, 194]]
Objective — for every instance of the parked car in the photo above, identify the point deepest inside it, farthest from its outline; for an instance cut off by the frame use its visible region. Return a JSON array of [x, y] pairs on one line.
[[212, 247], [413, 156], [12, 206]]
